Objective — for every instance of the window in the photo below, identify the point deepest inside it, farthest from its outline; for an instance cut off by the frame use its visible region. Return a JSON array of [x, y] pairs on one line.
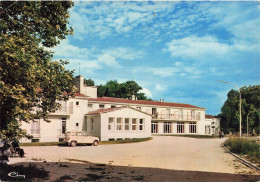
[[139, 108], [101, 106], [119, 124], [207, 129], [180, 114], [35, 126], [180, 127], [188, 115], [166, 127], [193, 115], [192, 127], [90, 105], [141, 124], [35, 140], [154, 113], [127, 123], [198, 116], [92, 124], [176, 115], [154, 127], [77, 103], [113, 106], [111, 123], [134, 123], [212, 123]]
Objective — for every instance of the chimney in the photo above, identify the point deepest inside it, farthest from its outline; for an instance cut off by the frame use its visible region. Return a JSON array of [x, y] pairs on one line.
[[163, 100], [160, 100], [79, 83], [133, 97]]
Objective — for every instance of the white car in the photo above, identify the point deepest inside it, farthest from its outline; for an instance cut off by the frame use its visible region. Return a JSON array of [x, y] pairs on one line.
[[72, 138]]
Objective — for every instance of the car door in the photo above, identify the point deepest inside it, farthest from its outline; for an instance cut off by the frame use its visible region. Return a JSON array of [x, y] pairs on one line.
[[87, 138], [80, 137]]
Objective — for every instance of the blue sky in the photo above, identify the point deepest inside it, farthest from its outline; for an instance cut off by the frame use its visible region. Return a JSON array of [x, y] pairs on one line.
[[175, 50]]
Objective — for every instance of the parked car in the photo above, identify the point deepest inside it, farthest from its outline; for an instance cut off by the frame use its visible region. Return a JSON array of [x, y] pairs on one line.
[[73, 138]]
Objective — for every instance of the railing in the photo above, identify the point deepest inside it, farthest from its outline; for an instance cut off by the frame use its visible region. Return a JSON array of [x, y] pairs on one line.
[[65, 110], [62, 110], [176, 117]]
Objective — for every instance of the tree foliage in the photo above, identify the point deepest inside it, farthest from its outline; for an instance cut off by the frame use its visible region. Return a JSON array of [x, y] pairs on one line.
[[28, 76], [121, 90], [250, 110], [89, 82]]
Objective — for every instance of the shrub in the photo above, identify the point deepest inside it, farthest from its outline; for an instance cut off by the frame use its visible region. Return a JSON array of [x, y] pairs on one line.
[[244, 146]]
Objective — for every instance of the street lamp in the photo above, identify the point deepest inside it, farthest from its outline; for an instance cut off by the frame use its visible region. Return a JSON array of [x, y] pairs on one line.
[[247, 121], [240, 116]]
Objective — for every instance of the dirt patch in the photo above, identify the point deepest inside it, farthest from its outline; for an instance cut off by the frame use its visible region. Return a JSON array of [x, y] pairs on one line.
[[101, 172]]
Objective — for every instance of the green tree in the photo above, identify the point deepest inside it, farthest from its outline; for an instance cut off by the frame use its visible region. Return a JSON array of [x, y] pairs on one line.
[[89, 82], [121, 90], [28, 76], [250, 110]]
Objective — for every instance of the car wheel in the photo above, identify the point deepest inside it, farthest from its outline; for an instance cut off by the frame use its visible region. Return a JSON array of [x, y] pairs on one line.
[[73, 143], [95, 143]]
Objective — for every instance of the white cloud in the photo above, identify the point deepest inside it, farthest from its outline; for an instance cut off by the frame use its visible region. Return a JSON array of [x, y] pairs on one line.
[[196, 47], [207, 47], [159, 87], [146, 92], [107, 18], [163, 72], [124, 53], [108, 60], [69, 51], [85, 63], [244, 30]]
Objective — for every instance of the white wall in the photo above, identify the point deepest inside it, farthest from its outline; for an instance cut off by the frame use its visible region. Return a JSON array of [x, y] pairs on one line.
[[90, 91], [51, 132], [214, 125], [106, 134]]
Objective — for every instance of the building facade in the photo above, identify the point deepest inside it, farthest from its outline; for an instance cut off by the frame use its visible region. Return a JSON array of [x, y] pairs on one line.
[[116, 118]]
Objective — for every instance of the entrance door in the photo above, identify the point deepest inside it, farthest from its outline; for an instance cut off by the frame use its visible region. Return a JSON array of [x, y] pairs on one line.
[[154, 127]]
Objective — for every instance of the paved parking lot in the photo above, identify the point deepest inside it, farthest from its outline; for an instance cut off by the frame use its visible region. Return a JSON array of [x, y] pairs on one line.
[[168, 152]]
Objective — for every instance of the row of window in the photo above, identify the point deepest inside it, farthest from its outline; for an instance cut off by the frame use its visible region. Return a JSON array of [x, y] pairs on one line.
[[167, 128], [176, 113], [125, 124]]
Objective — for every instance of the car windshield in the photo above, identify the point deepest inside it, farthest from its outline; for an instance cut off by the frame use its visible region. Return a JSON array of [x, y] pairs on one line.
[[79, 134]]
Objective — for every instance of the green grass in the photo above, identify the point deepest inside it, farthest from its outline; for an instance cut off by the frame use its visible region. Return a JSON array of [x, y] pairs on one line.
[[42, 144], [134, 140], [244, 146]]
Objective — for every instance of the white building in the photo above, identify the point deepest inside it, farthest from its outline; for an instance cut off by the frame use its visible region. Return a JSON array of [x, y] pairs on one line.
[[212, 125], [116, 118]]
